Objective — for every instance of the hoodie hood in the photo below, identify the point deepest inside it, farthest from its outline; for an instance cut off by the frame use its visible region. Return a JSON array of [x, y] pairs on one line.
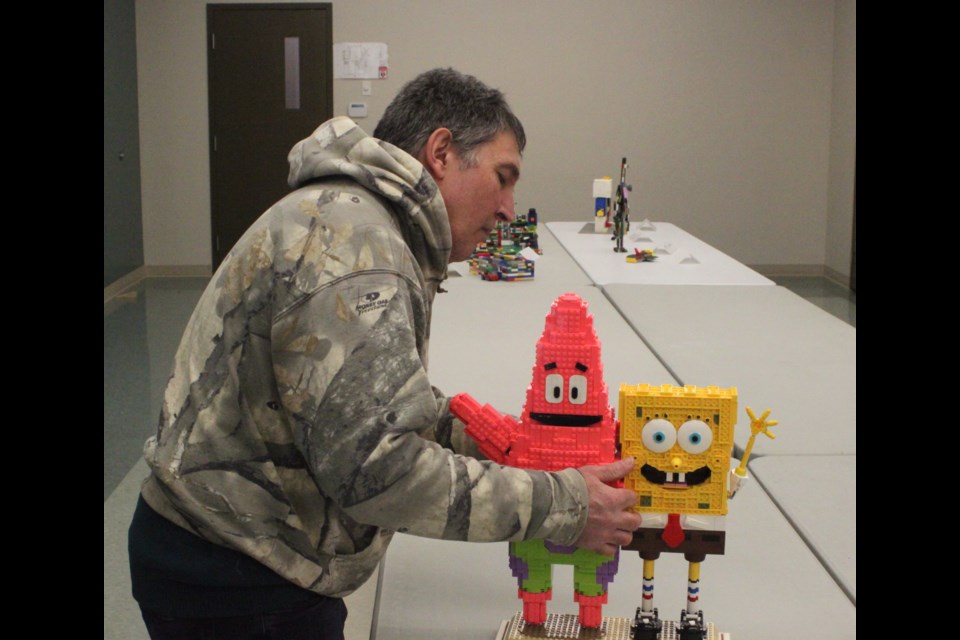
[[339, 147]]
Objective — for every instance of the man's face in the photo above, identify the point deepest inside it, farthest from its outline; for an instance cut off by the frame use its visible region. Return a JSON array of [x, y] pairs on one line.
[[481, 194]]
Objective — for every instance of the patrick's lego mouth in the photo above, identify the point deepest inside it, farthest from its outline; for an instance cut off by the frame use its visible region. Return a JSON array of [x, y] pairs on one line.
[[675, 480], [565, 419]]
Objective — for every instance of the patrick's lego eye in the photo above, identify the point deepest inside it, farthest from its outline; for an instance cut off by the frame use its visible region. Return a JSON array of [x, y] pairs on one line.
[[695, 436], [554, 388], [578, 389], [659, 435]]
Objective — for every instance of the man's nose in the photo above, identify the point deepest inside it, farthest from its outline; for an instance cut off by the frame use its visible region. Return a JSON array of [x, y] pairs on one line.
[[507, 211]]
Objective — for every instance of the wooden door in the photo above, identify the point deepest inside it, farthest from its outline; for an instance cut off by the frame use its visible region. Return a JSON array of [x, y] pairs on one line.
[[270, 84]]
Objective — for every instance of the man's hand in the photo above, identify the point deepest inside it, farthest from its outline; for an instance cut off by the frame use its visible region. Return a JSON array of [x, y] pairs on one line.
[[609, 523]]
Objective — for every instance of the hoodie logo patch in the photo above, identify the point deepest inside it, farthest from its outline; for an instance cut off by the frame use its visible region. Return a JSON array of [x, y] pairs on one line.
[[371, 301]]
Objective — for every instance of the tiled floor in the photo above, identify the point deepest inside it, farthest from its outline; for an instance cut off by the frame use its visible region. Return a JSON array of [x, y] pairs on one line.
[[826, 294], [141, 331]]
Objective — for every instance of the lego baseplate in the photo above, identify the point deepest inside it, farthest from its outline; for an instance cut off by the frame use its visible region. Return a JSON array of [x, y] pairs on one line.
[[566, 626]]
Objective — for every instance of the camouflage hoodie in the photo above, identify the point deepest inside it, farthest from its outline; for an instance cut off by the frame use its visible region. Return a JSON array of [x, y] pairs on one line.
[[299, 426]]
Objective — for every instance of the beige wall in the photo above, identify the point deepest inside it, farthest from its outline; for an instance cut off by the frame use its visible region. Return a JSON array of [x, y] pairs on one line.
[[843, 140], [737, 116]]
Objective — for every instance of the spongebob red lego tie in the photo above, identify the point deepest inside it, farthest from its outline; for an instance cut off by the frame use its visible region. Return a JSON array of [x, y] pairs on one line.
[[673, 533]]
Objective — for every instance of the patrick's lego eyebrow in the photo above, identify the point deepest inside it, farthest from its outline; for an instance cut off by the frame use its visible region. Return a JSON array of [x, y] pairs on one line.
[[553, 365]]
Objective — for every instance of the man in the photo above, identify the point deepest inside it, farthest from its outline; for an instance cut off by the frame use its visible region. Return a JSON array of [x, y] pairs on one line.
[[299, 429]]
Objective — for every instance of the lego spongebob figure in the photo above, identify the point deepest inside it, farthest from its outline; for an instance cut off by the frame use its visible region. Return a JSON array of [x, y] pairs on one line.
[[682, 439], [567, 421]]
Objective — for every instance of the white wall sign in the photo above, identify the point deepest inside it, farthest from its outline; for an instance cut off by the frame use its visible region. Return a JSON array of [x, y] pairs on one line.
[[360, 60]]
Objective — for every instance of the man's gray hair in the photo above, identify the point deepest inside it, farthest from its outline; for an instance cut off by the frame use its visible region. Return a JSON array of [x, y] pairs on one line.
[[473, 112]]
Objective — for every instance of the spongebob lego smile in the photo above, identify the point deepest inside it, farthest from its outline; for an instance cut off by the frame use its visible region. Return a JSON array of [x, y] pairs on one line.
[[675, 480]]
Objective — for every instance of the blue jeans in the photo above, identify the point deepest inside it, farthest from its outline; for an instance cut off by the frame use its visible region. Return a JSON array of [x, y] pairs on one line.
[[317, 620]]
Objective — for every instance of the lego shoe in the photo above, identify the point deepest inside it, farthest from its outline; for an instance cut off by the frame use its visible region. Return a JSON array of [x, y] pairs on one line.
[[692, 626], [534, 606], [591, 609], [647, 626]]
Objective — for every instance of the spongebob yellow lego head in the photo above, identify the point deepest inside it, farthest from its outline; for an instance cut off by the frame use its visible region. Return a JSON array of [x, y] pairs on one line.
[[682, 439]]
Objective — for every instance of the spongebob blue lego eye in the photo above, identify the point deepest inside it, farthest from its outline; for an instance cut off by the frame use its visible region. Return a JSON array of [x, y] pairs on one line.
[[659, 435], [553, 390], [695, 436]]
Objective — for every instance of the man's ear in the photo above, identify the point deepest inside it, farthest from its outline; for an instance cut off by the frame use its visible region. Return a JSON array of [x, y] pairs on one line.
[[438, 153]]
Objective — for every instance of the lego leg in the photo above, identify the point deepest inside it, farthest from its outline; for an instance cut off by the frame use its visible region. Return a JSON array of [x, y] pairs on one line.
[[646, 604], [647, 624], [592, 575], [531, 566], [534, 606], [692, 626], [693, 587], [591, 609]]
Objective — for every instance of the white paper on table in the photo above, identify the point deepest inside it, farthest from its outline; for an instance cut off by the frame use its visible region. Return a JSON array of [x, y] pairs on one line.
[[529, 254], [665, 249], [459, 268]]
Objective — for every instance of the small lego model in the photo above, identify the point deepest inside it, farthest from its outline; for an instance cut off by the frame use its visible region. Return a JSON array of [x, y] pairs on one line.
[[522, 231], [499, 257], [503, 263], [532, 216], [602, 188], [682, 440], [642, 255], [567, 421], [621, 215]]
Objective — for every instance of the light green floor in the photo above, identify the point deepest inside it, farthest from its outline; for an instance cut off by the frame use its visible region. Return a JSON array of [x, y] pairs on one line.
[[826, 294]]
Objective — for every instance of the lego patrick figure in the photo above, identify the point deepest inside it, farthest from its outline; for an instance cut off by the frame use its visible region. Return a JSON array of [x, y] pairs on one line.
[[567, 421]]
